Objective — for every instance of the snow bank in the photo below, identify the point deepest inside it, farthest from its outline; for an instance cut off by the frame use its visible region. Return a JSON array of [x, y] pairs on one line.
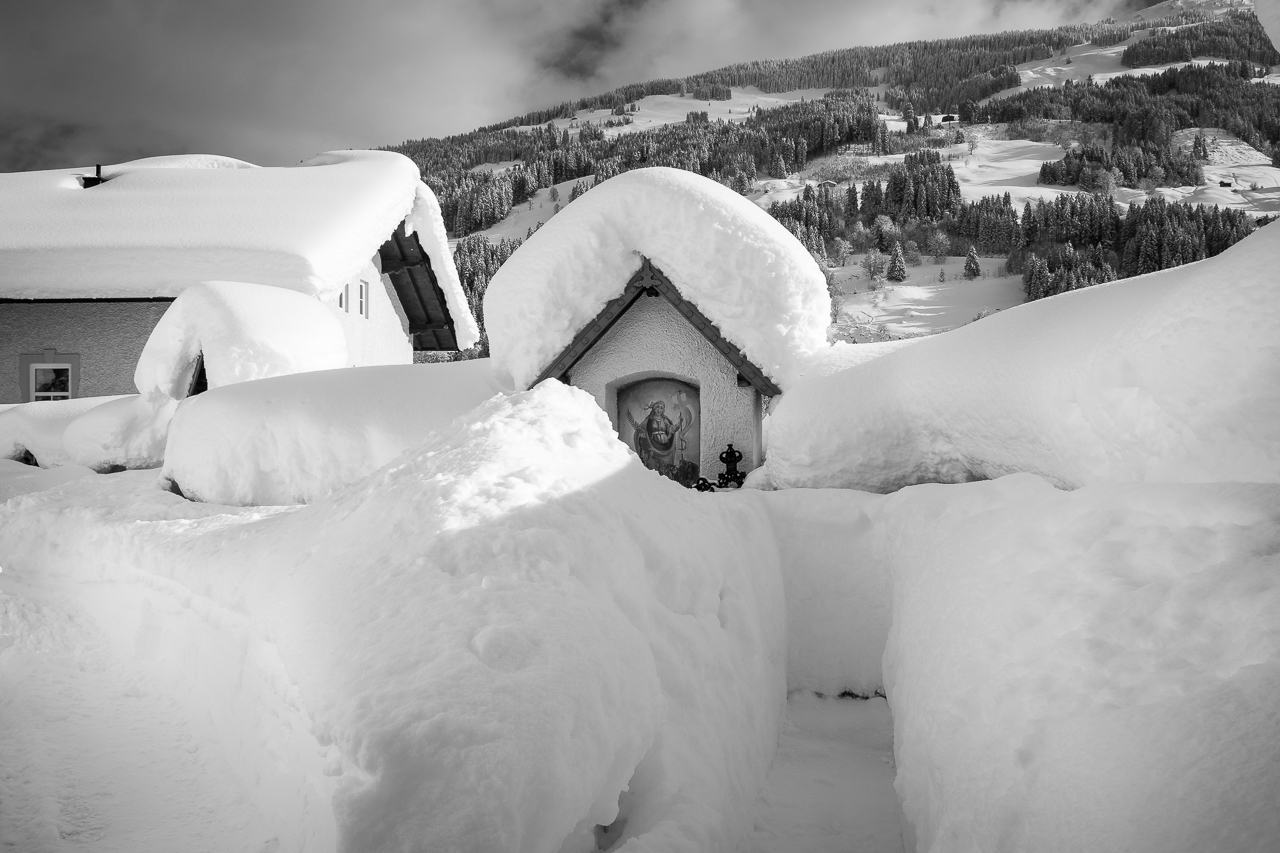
[[245, 332], [479, 647], [293, 439], [18, 478], [1093, 670], [197, 218], [1165, 377], [37, 428], [742, 269], [128, 432]]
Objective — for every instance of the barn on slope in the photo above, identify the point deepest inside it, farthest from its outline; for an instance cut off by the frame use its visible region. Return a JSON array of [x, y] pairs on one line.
[[683, 308]]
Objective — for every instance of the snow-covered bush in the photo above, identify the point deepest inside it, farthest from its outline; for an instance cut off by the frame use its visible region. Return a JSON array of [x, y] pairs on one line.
[[126, 433], [33, 431]]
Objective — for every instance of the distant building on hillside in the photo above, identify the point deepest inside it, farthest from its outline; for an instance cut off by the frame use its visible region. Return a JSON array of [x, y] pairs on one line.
[[89, 266]]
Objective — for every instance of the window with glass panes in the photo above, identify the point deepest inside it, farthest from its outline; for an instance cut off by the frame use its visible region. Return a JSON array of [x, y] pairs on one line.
[[50, 382]]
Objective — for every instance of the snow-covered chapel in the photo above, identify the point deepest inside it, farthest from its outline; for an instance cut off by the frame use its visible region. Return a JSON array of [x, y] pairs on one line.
[[683, 308]]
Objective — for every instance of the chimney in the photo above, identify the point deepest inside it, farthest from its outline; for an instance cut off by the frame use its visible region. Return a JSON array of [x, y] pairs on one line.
[[93, 180]]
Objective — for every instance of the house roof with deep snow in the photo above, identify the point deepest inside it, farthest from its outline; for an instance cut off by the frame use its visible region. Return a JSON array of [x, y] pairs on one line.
[[154, 227]]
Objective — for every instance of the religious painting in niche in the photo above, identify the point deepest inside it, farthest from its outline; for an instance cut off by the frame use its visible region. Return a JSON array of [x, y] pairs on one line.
[[661, 420]]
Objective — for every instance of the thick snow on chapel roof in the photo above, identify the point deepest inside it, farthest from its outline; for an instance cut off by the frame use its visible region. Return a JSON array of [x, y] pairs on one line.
[[738, 265], [159, 225]]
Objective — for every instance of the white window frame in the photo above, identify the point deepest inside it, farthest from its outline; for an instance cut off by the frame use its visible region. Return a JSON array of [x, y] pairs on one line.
[[43, 396], [364, 300]]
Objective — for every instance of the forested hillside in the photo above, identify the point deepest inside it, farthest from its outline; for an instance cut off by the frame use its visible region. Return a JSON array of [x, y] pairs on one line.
[[914, 207], [1147, 110], [1238, 35]]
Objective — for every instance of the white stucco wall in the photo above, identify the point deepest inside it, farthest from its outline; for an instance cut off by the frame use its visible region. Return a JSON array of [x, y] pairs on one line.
[[652, 339], [382, 337]]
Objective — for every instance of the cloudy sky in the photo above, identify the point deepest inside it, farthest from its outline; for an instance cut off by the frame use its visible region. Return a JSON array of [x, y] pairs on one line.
[[275, 81]]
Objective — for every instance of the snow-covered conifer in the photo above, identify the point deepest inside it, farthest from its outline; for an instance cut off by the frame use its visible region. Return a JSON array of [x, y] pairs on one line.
[[971, 268], [897, 264]]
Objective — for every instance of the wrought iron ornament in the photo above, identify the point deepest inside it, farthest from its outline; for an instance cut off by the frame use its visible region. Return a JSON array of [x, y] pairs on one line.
[[732, 477]]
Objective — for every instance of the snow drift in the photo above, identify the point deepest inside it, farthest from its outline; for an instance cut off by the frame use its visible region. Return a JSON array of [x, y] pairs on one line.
[[1171, 376], [294, 439], [1093, 670], [37, 428], [742, 269], [513, 638], [129, 432]]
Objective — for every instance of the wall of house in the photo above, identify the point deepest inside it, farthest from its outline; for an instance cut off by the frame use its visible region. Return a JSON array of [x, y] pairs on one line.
[[653, 339], [383, 336], [108, 337]]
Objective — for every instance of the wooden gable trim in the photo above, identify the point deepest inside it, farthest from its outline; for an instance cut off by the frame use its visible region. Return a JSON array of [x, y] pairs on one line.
[[649, 279], [407, 264]]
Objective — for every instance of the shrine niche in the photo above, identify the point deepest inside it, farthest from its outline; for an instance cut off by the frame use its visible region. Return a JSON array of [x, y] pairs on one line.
[[659, 420], [677, 391]]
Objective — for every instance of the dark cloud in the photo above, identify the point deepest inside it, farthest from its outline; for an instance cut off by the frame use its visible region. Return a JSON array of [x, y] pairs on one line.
[[579, 54], [275, 82]]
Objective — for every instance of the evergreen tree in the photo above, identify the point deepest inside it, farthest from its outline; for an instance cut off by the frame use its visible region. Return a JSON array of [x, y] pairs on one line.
[[909, 116], [851, 202], [942, 275], [971, 268], [897, 264]]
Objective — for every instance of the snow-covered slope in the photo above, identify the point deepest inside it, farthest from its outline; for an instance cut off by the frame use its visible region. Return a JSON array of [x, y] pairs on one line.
[[1166, 377], [742, 269]]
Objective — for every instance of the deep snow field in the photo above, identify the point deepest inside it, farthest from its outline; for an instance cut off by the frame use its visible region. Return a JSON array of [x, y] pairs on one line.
[[511, 636], [428, 612]]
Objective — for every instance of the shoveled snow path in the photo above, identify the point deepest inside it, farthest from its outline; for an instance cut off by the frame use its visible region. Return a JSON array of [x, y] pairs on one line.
[[95, 757], [830, 788]]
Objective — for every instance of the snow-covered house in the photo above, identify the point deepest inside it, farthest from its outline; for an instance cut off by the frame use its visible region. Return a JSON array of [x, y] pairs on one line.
[[680, 306], [88, 268]]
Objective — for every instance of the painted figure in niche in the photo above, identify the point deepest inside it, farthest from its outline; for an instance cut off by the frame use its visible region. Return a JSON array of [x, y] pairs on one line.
[[661, 417]]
